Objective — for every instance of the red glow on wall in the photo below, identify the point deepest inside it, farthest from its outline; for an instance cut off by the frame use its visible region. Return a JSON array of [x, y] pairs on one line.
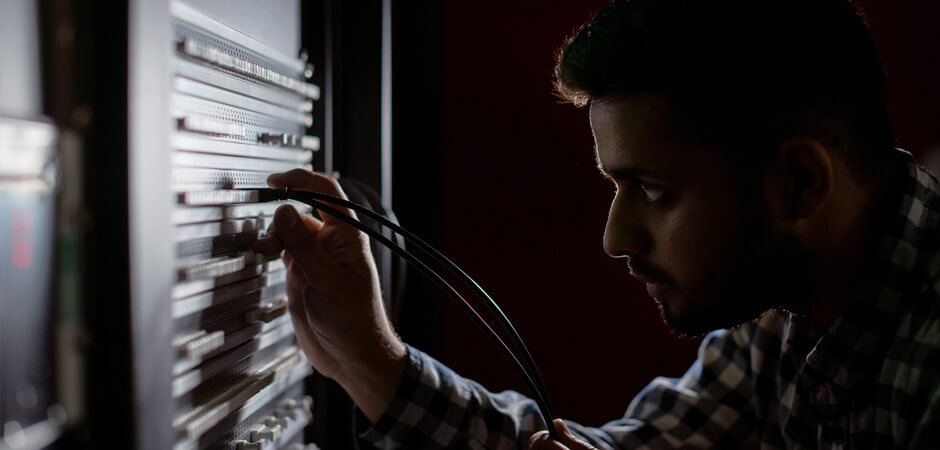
[[21, 251]]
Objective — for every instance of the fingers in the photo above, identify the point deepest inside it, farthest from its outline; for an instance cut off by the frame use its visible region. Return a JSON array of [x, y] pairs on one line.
[[542, 440], [569, 439], [296, 291], [269, 246], [305, 180], [301, 243]]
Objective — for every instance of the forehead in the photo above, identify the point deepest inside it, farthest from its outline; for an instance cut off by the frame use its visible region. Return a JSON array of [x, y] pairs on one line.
[[637, 114], [636, 130]]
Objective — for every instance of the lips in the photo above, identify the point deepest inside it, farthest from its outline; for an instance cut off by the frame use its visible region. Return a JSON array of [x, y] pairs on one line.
[[657, 291], [644, 277], [656, 287]]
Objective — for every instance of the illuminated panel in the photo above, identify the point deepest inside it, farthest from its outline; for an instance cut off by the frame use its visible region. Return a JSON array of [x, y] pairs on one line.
[[241, 112]]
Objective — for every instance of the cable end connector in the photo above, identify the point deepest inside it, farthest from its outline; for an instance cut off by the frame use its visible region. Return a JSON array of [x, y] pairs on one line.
[[272, 195]]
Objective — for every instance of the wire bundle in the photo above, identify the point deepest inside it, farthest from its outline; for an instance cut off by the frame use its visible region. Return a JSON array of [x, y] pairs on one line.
[[529, 372]]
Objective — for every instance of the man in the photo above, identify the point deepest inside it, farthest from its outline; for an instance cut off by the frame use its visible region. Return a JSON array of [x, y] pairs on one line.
[[758, 193]]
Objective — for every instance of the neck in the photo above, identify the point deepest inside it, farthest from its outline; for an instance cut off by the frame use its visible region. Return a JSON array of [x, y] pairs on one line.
[[842, 254]]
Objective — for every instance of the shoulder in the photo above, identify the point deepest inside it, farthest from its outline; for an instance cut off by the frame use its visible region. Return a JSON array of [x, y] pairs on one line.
[[912, 363], [919, 331], [921, 324], [916, 349]]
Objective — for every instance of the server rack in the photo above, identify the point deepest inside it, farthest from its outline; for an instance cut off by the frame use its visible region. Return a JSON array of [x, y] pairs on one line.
[[29, 405], [29, 411], [172, 108]]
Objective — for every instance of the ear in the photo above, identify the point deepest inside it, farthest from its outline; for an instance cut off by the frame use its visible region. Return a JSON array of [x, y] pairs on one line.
[[803, 180]]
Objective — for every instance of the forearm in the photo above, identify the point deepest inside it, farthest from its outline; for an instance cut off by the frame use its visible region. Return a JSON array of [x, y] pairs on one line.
[[434, 408], [372, 380]]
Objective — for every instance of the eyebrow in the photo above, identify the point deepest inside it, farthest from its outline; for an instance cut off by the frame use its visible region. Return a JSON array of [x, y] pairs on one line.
[[623, 173]]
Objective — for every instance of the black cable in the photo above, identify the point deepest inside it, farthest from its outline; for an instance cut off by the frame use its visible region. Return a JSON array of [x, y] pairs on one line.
[[538, 391], [442, 259], [455, 295], [371, 199]]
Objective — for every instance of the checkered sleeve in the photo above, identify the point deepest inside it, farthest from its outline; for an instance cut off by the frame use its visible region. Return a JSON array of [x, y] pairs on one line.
[[925, 433], [434, 408], [708, 407]]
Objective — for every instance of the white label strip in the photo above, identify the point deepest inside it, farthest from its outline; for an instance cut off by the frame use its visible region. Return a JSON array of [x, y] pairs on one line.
[[211, 268], [310, 143], [221, 197], [208, 125]]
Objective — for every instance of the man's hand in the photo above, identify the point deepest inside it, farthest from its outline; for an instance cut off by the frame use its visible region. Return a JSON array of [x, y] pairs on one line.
[[542, 441], [335, 299]]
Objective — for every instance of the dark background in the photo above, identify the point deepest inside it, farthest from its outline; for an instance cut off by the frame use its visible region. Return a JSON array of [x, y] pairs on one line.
[[493, 169]]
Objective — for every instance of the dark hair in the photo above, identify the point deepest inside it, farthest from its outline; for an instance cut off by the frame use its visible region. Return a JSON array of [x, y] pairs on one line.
[[743, 73]]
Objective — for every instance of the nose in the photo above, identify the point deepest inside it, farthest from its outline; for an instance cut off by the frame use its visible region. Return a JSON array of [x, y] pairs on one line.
[[626, 233]]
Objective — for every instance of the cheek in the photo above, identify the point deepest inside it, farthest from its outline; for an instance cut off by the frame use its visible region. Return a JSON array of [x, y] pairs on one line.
[[699, 245]]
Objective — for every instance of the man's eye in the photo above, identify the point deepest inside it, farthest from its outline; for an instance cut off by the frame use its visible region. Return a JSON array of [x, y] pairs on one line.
[[652, 192]]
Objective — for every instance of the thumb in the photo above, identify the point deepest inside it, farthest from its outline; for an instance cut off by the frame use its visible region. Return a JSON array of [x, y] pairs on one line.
[[300, 242], [542, 441], [569, 439]]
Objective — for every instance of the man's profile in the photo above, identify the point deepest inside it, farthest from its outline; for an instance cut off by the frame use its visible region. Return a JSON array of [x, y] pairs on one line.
[[759, 193]]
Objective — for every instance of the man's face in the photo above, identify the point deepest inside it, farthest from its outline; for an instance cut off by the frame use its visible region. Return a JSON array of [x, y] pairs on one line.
[[691, 225]]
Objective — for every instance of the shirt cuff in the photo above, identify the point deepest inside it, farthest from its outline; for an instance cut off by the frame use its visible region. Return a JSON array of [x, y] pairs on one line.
[[389, 432]]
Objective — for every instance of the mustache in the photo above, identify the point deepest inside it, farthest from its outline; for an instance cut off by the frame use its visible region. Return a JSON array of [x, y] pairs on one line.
[[650, 271]]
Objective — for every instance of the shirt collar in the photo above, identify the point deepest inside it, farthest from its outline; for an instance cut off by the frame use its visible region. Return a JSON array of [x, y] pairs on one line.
[[853, 349]]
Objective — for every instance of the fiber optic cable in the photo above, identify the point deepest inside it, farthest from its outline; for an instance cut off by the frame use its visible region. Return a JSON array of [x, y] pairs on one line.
[[314, 199]]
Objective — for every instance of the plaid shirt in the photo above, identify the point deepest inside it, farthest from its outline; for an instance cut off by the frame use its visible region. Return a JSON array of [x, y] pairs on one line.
[[870, 382]]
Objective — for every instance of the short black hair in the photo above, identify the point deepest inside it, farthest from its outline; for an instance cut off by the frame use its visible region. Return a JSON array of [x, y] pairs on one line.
[[743, 72]]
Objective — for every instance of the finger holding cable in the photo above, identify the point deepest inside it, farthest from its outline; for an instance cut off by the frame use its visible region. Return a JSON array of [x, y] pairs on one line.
[[566, 439], [347, 245], [347, 334], [305, 180]]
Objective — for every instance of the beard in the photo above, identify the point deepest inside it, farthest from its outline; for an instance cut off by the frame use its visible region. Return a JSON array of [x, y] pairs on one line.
[[759, 269]]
